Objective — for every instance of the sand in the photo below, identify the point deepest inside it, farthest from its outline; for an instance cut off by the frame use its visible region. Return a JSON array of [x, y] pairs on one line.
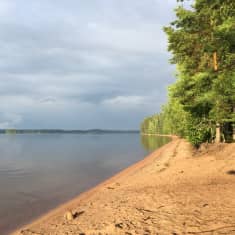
[[175, 190]]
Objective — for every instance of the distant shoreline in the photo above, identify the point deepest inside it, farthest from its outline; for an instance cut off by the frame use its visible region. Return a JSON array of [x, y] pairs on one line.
[[62, 131]]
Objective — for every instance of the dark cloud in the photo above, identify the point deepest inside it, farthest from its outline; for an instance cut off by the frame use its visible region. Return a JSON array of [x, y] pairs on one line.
[[47, 100], [82, 64]]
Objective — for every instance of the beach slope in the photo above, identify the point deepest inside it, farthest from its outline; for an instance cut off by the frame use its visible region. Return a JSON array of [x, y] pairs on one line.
[[175, 190]]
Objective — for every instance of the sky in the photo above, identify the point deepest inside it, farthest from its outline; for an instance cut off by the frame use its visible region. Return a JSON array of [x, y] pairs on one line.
[[83, 64]]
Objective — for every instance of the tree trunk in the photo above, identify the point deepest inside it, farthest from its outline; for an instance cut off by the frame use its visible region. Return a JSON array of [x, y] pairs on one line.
[[215, 61], [218, 134]]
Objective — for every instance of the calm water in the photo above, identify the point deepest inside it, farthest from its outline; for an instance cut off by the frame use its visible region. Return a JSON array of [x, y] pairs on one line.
[[38, 172]]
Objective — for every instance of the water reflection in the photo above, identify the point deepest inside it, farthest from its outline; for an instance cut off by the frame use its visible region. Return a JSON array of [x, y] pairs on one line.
[[150, 142]]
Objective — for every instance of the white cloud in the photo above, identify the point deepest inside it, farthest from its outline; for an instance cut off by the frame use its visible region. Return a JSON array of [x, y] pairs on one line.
[[9, 120], [5, 7], [143, 38], [125, 102]]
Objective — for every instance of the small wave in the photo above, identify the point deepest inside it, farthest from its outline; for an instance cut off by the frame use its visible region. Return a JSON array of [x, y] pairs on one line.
[[10, 171]]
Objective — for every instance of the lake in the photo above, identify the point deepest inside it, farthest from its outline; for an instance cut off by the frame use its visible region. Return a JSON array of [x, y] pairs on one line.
[[40, 171]]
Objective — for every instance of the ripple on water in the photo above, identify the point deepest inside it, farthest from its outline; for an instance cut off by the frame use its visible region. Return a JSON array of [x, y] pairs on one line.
[[11, 171]]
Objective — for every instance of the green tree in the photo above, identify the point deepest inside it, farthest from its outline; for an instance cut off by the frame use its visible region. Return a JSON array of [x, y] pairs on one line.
[[202, 43]]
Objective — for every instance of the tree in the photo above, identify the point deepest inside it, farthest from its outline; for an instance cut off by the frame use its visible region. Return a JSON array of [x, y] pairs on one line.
[[202, 41], [202, 101]]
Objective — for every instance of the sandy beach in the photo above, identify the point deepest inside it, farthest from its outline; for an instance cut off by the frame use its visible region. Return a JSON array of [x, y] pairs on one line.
[[174, 190]]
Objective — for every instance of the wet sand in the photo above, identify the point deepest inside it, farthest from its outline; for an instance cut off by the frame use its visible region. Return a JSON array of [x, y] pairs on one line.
[[175, 190]]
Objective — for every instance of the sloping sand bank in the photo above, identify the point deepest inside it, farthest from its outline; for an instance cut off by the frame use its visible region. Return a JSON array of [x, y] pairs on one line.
[[175, 190]]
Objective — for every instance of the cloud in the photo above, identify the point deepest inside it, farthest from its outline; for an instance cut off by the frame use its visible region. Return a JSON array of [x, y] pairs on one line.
[[9, 120], [48, 100], [79, 64], [125, 102], [5, 7]]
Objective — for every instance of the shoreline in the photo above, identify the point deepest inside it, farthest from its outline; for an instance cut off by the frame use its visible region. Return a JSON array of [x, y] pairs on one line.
[[161, 135], [174, 190], [85, 195]]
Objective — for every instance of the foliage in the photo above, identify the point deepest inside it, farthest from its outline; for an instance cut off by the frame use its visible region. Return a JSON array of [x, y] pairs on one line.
[[202, 43]]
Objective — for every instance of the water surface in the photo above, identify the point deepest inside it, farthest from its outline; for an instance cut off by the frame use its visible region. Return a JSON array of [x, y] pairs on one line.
[[40, 171]]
